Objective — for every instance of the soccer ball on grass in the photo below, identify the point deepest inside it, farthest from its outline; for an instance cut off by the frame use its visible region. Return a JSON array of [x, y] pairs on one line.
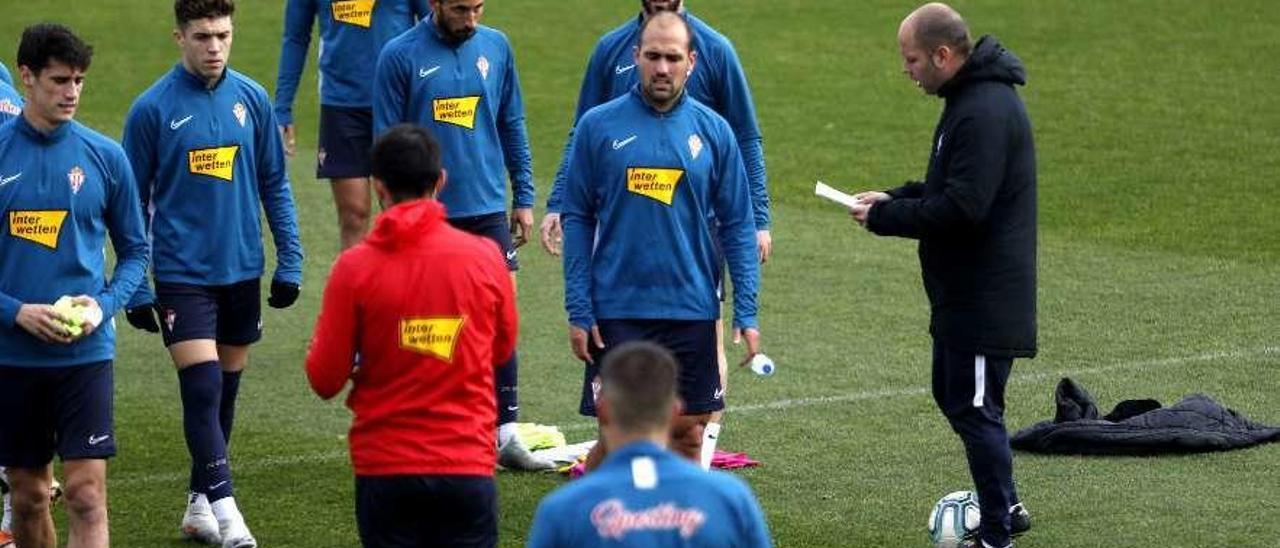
[[954, 520]]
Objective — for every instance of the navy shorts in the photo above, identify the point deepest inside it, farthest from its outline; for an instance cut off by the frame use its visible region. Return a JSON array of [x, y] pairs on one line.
[[229, 314], [412, 511], [494, 227], [64, 409], [346, 142], [692, 342]]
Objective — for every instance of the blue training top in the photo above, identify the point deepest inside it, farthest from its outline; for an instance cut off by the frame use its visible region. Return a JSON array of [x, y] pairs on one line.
[[468, 95], [352, 33], [717, 81], [645, 496], [61, 193], [5, 77], [10, 103], [207, 161], [642, 192]]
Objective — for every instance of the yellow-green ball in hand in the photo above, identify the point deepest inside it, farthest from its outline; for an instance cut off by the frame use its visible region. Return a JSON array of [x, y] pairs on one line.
[[73, 315]]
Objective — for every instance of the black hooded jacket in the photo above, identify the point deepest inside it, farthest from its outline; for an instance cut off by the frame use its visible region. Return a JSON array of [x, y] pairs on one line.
[[975, 213]]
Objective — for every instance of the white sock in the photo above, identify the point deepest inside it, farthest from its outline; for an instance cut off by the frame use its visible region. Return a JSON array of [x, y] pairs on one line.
[[506, 431], [709, 436], [199, 500], [227, 513], [6, 521]]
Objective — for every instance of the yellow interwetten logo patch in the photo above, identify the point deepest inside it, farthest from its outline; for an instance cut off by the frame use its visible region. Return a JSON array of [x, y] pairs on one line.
[[654, 182], [354, 12], [215, 162], [431, 336], [42, 227], [459, 111]]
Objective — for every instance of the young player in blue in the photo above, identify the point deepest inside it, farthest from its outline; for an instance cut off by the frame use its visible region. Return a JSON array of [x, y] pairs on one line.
[[650, 175], [352, 33], [64, 189], [643, 495], [718, 82], [458, 79], [10, 108], [205, 146]]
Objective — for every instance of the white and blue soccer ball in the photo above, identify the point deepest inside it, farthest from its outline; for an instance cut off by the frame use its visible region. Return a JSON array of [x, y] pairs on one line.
[[954, 519]]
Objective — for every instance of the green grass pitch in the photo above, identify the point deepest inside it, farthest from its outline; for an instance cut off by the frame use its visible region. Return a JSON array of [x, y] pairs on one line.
[[1157, 128]]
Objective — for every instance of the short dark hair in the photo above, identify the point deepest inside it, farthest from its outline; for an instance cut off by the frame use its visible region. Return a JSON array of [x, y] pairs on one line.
[[406, 158], [942, 27], [665, 15], [186, 11], [638, 379], [47, 42]]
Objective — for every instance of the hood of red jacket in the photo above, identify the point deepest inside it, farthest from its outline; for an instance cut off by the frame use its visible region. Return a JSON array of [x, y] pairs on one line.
[[406, 223]]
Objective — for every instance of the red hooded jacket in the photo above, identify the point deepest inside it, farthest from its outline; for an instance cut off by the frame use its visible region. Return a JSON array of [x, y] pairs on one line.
[[430, 310]]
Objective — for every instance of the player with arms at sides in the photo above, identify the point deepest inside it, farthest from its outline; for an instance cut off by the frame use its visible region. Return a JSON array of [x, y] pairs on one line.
[[431, 310], [64, 189], [205, 145], [10, 108], [643, 495], [650, 173], [718, 81], [975, 218], [457, 78], [352, 32]]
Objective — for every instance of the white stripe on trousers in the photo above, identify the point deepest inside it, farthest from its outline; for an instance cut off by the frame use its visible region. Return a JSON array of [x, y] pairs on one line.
[[979, 379]]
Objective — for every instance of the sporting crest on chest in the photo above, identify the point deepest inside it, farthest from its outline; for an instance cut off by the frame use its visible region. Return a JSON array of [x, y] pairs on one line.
[[76, 178], [241, 113], [482, 64], [695, 145]]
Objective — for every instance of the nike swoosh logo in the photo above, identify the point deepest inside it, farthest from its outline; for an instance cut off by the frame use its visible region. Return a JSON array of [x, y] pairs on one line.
[[624, 70], [423, 73], [513, 408], [511, 254], [174, 125], [9, 179], [95, 440], [217, 485], [617, 145]]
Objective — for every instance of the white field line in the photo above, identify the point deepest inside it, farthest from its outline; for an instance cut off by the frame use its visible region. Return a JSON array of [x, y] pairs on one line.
[[852, 397]]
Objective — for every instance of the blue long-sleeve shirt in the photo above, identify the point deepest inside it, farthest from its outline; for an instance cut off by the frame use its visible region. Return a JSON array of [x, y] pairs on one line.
[[207, 160], [10, 103], [5, 77], [468, 95], [62, 194], [717, 81], [642, 191], [352, 33], [645, 496]]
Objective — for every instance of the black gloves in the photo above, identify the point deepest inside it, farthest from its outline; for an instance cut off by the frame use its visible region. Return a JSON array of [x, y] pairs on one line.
[[144, 317], [283, 294]]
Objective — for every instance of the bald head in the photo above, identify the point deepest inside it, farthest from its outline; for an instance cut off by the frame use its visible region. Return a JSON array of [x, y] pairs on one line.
[[934, 25], [663, 24]]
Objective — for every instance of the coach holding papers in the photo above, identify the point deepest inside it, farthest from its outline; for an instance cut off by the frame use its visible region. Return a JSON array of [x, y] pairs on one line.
[[975, 217]]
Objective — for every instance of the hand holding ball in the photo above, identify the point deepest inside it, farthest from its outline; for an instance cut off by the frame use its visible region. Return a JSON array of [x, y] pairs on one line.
[[77, 313]]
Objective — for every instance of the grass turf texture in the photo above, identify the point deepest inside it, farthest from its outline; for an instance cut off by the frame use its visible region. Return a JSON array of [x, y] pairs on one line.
[[1159, 263]]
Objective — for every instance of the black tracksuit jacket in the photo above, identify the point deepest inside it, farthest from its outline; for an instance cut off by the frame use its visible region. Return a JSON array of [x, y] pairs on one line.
[[975, 212]]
